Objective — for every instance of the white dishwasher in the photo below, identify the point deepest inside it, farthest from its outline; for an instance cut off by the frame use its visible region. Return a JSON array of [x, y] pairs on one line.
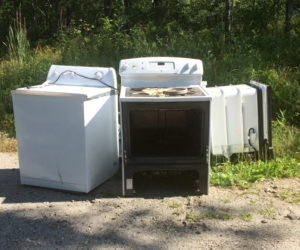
[[66, 128]]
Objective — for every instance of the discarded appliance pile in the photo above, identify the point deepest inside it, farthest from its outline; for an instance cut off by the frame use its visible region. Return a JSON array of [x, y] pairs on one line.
[[68, 133]]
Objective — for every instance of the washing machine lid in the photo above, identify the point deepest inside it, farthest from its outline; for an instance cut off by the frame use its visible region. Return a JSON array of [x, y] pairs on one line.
[[66, 91]]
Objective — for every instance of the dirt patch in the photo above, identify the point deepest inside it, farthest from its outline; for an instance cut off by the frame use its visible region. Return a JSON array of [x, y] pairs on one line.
[[167, 214]]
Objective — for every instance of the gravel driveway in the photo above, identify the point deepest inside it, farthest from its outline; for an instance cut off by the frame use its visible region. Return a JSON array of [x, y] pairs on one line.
[[166, 214]]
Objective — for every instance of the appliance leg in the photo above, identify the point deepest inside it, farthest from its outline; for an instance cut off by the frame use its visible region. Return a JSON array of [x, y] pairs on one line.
[[129, 190], [203, 182]]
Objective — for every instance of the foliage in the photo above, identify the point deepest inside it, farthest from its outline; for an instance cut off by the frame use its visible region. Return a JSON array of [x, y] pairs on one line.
[[243, 173], [7, 144], [286, 138]]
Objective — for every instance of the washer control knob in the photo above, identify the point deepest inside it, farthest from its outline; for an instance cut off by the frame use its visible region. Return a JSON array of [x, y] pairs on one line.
[[125, 67], [99, 75]]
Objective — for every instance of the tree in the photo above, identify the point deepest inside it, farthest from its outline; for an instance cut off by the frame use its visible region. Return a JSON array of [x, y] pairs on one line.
[[107, 7], [227, 20], [289, 12]]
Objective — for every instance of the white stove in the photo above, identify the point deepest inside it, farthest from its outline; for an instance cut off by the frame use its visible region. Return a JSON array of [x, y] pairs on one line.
[[165, 112], [162, 79]]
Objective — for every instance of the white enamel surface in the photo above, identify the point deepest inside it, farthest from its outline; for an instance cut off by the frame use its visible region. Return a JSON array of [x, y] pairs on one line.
[[160, 71], [65, 140], [63, 90], [233, 113], [105, 74], [101, 139]]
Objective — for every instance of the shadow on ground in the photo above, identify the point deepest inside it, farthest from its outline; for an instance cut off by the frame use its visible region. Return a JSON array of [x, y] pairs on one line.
[[19, 231], [147, 185]]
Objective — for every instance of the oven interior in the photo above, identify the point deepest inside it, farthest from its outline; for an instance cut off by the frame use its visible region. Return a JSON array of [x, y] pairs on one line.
[[166, 133]]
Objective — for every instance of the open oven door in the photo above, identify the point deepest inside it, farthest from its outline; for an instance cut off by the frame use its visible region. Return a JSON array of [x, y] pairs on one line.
[[264, 102], [241, 120]]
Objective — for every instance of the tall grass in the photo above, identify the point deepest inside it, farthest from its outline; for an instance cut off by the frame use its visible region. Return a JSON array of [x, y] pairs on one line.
[[17, 42], [286, 138]]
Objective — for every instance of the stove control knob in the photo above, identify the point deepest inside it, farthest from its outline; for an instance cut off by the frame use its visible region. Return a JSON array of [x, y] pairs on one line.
[[185, 67], [195, 67], [124, 67]]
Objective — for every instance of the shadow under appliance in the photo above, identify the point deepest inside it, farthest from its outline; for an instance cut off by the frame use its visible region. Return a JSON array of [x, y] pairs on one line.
[[165, 118]]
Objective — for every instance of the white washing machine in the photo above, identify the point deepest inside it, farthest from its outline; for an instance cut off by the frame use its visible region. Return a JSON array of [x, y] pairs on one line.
[[66, 128]]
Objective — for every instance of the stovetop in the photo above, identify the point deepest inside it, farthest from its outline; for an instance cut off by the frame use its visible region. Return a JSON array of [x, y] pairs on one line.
[[164, 92]]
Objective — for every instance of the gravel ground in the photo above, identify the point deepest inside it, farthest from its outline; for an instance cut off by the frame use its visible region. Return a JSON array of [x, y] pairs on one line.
[[166, 214]]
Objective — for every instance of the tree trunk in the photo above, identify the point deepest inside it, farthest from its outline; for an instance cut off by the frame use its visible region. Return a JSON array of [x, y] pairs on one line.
[[157, 3], [289, 12], [107, 8], [227, 20], [126, 3]]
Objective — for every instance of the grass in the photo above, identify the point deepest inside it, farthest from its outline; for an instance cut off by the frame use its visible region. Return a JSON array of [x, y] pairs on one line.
[[246, 216], [244, 173], [254, 202], [220, 216], [285, 194], [286, 138], [251, 191], [192, 217], [226, 200], [178, 212], [295, 197], [7, 144], [290, 197], [267, 213], [175, 205]]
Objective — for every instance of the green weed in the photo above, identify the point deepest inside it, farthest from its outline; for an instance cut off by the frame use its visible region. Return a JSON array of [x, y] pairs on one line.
[[178, 212], [285, 194], [192, 217], [220, 216], [253, 202], [295, 197], [268, 212], [243, 173], [251, 191], [226, 200], [246, 216], [175, 205]]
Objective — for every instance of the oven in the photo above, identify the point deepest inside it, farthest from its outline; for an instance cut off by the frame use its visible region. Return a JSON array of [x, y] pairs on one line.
[[164, 128]]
